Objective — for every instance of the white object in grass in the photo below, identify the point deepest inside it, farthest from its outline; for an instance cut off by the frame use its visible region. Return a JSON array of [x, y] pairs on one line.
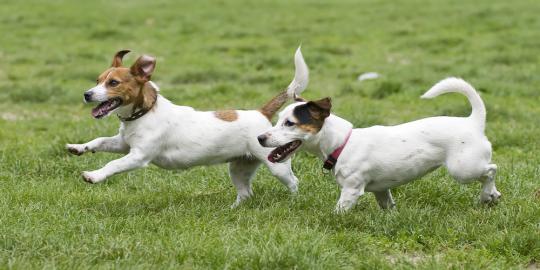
[[368, 76]]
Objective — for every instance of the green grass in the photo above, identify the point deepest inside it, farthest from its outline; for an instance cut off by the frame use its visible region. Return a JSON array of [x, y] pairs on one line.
[[238, 54]]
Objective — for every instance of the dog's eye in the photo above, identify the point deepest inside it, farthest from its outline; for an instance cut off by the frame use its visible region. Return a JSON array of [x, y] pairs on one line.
[[113, 83], [288, 123]]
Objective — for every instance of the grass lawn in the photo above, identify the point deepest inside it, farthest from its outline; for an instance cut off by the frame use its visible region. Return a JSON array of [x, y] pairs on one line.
[[238, 54]]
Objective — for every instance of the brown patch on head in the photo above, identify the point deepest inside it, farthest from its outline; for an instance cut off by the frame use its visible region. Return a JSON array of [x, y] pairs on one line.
[[226, 115], [311, 115], [130, 84], [313, 128]]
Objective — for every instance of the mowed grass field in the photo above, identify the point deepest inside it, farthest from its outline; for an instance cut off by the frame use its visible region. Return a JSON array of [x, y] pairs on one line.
[[238, 54]]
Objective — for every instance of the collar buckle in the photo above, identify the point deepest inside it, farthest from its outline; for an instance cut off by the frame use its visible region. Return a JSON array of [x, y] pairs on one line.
[[329, 163]]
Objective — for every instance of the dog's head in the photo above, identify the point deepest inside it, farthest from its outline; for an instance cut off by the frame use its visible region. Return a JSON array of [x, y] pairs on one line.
[[121, 86], [297, 123]]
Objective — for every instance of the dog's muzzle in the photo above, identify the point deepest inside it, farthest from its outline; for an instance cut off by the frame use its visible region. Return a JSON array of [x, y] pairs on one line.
[[262, 139], [88, 96]]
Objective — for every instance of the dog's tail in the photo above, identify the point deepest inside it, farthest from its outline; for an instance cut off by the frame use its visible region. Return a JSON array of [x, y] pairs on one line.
[[460, 86], [298, 84]]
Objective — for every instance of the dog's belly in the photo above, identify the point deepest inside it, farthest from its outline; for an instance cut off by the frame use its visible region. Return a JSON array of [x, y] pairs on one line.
[[387, 180], [179, 160], [388, 171]]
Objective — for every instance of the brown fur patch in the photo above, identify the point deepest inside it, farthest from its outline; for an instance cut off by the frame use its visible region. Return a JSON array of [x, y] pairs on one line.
[[299, 99], [272, 106], [310, 116], [313, 128], [131, 89], [226, 115], [149, 96], [305, 121]]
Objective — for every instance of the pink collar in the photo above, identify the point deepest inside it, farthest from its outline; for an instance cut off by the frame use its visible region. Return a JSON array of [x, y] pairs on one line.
[[331, 160]]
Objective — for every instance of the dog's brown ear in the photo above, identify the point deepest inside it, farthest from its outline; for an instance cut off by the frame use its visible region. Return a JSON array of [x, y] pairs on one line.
[[117, 59], [144, 67], [320, 109]]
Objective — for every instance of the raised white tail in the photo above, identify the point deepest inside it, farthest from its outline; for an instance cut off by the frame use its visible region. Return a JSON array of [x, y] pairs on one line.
[[299, 83], [301, 75], [460, 86]]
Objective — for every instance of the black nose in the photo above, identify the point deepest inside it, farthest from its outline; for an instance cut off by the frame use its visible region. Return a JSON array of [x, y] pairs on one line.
[[87, 95], [261, 139]]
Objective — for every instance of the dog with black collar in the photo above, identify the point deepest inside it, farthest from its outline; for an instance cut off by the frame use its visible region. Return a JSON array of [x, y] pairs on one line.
[[154, 130]]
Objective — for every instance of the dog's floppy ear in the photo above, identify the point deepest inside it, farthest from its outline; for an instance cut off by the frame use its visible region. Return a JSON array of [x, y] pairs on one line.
[[144, 67], [320, 109], [117, 59], [313, 111]]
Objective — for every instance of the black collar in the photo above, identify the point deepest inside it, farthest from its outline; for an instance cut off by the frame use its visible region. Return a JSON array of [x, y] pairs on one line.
[[137, 114]]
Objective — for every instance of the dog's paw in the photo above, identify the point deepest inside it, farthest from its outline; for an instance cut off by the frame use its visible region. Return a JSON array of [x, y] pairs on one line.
[[235, 204], [293, 189], [342, 208], [241, 198], [490, 198], [339, 210], [76, 149], [93, 177]]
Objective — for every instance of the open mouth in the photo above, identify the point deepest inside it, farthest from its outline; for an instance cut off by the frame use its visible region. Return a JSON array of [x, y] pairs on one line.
[[106, 107], [281, 153]]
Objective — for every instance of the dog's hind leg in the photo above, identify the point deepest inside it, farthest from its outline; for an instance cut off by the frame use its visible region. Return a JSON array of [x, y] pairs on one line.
[[241, 172], [384, 199], [489, 192], [466, 167], [113, 144], [284, 173]]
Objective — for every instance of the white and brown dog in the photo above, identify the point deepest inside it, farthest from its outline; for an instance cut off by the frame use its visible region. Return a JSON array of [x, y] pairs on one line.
[[379, 158], [153, 130]]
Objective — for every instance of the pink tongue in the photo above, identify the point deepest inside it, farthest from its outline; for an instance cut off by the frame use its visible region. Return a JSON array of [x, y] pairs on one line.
[[270, 156], [98, 111], [95, 112]]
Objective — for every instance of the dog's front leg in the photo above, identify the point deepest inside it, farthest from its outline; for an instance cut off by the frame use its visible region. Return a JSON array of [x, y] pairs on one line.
[[351, 189], [113, 144], [135, 159]]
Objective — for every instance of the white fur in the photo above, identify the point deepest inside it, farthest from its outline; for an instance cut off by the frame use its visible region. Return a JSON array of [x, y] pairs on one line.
[[301, 75], [179, 137], [99, 93], [379, 158]]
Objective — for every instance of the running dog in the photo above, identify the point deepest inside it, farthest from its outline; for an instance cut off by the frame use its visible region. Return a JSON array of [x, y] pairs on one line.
[[153, 130]]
